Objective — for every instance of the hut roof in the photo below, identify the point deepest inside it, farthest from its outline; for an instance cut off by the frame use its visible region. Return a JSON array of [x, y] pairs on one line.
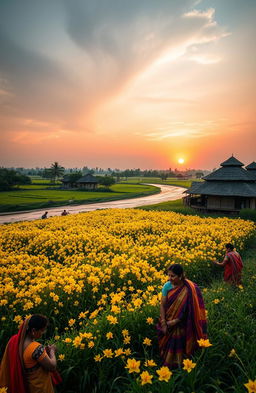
[[251, 166], [66, 179], [231, 188], [232, 161], [230, 173], [87, 179]]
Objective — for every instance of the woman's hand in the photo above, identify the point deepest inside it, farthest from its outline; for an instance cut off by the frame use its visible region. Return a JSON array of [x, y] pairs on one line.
[[173, 322], [164, 326]]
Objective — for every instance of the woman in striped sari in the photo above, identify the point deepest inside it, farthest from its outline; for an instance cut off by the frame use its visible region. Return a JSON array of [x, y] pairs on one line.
[[233, 265], [182, 318]]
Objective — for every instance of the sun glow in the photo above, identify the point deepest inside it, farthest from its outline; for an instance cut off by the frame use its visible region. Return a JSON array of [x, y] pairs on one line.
[[181, 160]]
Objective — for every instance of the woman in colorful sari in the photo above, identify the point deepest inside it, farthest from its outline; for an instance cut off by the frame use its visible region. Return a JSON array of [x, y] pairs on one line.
[[26, 365], [233, 265], [182, 318]]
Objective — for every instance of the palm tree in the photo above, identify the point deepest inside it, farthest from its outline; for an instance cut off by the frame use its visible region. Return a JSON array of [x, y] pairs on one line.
[[56, 171]]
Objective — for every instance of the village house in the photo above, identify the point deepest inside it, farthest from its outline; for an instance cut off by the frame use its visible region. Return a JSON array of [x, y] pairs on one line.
[[87, 182], [228, 189]]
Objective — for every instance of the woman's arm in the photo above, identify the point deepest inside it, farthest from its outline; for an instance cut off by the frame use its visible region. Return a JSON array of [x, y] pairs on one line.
[[49, 362], [223, 263]]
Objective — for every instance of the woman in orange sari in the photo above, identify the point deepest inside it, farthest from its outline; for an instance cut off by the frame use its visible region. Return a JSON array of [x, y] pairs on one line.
[[233, 265], [182, 318], [26, 365]]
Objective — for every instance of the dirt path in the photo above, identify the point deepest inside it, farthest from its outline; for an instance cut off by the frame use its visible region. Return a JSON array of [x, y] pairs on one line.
[[168, 193]]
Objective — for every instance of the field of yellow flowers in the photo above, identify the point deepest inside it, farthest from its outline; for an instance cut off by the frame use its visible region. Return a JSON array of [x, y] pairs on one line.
[[98, 277]]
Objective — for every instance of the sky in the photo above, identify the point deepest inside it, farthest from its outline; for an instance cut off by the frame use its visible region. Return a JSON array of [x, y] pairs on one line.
[[127, 84]]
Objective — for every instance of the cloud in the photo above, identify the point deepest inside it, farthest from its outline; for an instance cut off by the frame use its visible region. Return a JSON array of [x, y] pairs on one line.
[[60, 62]]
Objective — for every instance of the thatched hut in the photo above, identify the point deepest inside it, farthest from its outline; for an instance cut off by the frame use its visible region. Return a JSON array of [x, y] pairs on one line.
[[87, 182], [228, 189]]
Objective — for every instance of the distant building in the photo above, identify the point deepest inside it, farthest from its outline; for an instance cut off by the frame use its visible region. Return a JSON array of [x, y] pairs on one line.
[[227, 189], [87, 182], [68, 182]]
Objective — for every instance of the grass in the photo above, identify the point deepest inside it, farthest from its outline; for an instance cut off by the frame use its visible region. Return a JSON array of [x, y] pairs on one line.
[[171, 181], [175, 206], [32, 197]]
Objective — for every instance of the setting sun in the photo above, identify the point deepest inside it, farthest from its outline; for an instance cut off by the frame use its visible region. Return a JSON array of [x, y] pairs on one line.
[[181, 160]]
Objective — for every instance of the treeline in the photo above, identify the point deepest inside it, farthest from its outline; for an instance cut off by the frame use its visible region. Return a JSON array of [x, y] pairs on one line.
[[10, 178]]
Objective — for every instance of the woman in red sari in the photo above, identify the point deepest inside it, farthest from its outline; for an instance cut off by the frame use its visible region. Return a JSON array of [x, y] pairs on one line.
[[182, 318], [26, 365], [233, 265]]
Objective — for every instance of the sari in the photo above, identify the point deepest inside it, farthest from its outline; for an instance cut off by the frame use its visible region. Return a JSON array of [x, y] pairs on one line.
[[20, 372], [186, 304], [233, 268]]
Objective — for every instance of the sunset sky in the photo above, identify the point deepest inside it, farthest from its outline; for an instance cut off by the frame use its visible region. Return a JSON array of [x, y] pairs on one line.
[[127, 84]]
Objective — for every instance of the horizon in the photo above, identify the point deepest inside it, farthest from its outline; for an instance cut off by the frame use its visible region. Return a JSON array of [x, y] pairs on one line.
[[139, 85]]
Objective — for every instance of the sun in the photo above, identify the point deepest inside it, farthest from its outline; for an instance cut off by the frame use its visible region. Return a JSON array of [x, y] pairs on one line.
[[181, 160]]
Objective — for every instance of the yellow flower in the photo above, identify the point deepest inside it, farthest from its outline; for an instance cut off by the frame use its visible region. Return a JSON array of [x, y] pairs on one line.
[[82, 315], [204, 343], [150, 363], [251, 386], [56, 337], [109, 335], [71, 322], [133, 366], [119, 352], [216, 301], [112, 320], [125, 332], [3, 390], [67, 340], [164, 374], [188, 365], [145, 378], [127, 340], [150, 321], [61, 357], [108, 353], [91, 344], [232, 353], [98, 358], [127, 352], [147, 341]]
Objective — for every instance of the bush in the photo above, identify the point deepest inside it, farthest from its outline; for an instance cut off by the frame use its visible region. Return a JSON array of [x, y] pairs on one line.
[[248, 214]]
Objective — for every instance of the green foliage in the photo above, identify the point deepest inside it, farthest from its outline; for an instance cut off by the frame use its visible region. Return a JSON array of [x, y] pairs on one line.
[[106, 181], [248, 214], [42, 197], [10, 178]]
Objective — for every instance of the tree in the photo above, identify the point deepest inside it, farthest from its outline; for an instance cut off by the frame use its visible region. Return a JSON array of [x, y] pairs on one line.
[[56, 171], [106, 181], [10, 178]]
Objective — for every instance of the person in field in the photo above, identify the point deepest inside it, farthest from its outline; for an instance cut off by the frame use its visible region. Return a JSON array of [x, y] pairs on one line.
[[44, 216], [27, 366], [64, 213], [182, 318], [233, 265]]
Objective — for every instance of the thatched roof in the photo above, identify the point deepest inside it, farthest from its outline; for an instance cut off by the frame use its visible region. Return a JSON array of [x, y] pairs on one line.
[[66, 179], [251, 166], [230, 173], [220, 188], [232, 161], [87, 179], [231, 170]]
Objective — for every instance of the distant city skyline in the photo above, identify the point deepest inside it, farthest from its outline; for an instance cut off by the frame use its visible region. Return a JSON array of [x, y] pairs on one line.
[[140, 84]]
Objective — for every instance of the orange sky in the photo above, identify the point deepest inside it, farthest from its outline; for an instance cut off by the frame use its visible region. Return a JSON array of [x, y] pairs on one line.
[[125, 87]]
